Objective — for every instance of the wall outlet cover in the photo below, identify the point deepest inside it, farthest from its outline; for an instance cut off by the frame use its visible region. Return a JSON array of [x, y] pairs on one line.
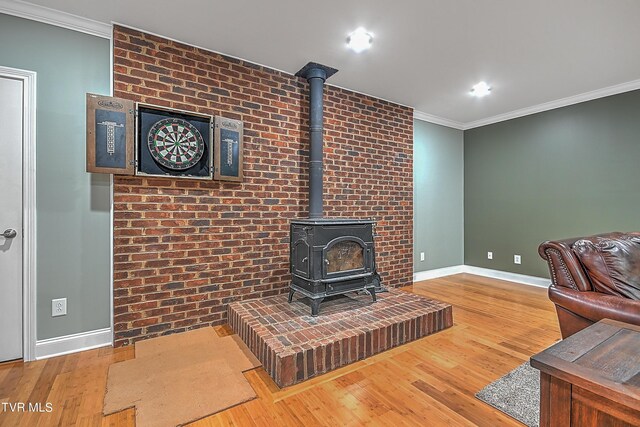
[[58, 307], [489, 255], [421, 256], [517, 259]]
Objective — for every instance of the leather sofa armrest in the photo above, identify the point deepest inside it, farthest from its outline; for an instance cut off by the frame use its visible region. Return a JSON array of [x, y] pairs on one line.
[[596, 306], [564, 267]]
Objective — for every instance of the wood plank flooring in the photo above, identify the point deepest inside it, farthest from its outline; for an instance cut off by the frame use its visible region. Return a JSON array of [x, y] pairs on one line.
[[432, 381]]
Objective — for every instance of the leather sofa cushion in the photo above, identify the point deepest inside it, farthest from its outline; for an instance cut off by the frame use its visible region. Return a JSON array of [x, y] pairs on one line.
[[612, 264]]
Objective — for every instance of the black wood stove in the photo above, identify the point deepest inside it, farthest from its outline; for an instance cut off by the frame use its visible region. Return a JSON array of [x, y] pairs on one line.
[[329, 256]]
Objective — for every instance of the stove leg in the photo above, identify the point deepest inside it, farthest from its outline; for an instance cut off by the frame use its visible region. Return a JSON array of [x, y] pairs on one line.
[[291, 292], [372, 291], [315, 306]]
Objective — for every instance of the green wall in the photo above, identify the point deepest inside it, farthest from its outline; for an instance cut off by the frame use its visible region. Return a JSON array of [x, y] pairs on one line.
[[72, 206], [571, 171], [438, 196]]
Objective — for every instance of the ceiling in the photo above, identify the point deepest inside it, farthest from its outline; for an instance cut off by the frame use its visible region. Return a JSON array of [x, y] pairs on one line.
[[426, 53]]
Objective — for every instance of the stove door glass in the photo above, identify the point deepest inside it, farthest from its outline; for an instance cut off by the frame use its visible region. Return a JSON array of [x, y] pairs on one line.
[[345, 255]]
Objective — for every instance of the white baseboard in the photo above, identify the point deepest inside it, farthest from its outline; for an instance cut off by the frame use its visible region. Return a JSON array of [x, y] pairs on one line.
[[73, 343], [485, 272], [438, 272], [506, 275]]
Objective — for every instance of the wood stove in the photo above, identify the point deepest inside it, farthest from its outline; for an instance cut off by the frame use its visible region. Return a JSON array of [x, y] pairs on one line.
[[332, 256], [329, 256]]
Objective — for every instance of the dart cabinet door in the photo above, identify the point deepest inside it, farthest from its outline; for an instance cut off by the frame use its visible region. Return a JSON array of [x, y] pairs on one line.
[[110, 135], [228, 150]]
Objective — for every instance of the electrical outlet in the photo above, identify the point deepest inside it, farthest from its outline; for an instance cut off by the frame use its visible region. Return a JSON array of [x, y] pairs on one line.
[[489, 255], [421, 256], [59, 307], [517, 259]]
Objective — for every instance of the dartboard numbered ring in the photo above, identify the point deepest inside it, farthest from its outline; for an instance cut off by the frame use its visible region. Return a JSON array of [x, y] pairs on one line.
[[175, 143]]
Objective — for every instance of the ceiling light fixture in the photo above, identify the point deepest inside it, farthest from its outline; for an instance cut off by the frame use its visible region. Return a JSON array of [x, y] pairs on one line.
[[359, 40], [480, 90]]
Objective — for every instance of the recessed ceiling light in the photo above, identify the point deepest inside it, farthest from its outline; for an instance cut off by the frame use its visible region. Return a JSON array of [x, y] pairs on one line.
[[481, 89], [359, 40]]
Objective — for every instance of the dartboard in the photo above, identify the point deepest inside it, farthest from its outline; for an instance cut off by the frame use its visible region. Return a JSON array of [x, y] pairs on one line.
[[175, 143]]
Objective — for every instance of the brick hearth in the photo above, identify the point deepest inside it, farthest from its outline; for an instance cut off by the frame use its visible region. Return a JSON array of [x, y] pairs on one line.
[[294, 346]]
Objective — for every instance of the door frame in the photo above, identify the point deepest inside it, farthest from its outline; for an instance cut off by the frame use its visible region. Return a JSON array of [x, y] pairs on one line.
[[29, 277]]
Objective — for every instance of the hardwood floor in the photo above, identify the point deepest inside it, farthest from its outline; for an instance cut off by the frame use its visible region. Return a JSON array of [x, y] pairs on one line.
[[432, 381]]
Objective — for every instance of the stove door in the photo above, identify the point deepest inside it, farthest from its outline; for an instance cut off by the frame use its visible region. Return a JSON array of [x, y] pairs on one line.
[[346, 256], [300, 258]]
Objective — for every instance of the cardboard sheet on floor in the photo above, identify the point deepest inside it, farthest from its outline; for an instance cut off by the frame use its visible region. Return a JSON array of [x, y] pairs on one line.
[[228, 345], [180, 378]]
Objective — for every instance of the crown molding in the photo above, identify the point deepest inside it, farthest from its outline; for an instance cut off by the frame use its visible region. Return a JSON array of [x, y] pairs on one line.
[[50, 16], [551, 105], [419, 115], [563, 102]]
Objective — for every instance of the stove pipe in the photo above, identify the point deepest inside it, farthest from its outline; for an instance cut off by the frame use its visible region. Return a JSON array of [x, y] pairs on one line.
[[316, 74]]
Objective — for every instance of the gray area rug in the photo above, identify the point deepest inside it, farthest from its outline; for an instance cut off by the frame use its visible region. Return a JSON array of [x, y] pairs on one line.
[[516, 394]]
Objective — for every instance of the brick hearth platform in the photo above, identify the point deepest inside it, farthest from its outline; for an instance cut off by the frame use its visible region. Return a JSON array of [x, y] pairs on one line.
[[294, 346]]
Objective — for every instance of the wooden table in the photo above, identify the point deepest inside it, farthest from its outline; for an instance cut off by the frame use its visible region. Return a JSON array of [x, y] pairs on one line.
[[591, 378]]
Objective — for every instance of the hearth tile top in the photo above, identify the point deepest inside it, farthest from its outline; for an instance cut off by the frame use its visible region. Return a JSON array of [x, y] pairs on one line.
[[291, 325], [293, 345]]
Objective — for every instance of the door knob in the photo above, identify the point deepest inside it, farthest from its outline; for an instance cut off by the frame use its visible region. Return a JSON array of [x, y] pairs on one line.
[[9, 233]]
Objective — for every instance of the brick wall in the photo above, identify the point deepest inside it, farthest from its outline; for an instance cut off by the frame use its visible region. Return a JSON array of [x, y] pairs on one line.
[[183, 249]]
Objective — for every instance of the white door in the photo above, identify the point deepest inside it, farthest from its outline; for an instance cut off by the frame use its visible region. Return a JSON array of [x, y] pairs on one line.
[[11, 134]]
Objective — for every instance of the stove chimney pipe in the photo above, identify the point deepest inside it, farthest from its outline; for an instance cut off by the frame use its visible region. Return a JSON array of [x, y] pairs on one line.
[[316, 74]]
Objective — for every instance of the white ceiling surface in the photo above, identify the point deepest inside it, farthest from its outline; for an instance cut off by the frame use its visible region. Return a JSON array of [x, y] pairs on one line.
[[426, 53]]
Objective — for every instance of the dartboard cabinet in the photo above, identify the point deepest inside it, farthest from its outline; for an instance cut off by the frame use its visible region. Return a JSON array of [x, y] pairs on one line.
[[126, 138]]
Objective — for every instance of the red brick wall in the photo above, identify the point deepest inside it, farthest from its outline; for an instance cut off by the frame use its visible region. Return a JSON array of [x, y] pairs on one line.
[[183, 249]]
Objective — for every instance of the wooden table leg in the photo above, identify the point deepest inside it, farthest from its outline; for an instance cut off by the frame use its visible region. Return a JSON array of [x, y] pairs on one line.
[[545, 391], [555, 402]]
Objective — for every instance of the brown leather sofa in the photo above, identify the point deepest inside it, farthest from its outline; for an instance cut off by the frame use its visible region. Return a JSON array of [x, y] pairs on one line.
[[593, 278]]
